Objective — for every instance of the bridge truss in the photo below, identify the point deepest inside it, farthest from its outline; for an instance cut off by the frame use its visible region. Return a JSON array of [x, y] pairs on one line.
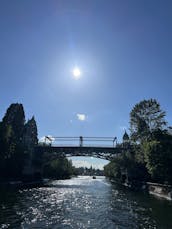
[[100, 147]]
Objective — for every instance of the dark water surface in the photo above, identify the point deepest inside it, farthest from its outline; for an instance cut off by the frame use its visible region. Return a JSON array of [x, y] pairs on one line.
[[82, 202]]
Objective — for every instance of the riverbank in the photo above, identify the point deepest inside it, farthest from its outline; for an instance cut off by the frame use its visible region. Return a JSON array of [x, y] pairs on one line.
[[156, 189], [160, 190], [21, 184], [29, 184]]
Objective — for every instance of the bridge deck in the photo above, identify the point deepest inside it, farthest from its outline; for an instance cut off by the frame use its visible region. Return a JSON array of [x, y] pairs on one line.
[[95, 151], [81, 146]]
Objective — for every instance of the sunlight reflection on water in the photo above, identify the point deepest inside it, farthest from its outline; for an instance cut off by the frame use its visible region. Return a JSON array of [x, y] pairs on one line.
[[81, 202]]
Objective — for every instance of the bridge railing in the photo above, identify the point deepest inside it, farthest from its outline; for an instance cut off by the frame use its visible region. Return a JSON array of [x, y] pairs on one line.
[[81, 141]]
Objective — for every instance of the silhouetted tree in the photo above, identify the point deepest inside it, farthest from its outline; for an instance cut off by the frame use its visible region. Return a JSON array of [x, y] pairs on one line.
[[12, 127], [145, 118], [149, 156], [30, 136], [30, 141]]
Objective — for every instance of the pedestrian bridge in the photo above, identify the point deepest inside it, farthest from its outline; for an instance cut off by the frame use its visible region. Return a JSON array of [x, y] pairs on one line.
[[100, 147]]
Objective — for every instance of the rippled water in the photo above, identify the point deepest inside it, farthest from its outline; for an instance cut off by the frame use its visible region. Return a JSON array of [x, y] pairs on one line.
[[82, 202]]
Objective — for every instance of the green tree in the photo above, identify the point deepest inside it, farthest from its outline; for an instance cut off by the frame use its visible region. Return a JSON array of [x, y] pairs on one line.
[[11, 136], [145, 118], [60, 168], [158, 157], [113, 169], [126, 168]]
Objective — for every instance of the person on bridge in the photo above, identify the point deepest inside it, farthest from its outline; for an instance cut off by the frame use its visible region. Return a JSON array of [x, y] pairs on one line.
[[81, 141], [114, 141]]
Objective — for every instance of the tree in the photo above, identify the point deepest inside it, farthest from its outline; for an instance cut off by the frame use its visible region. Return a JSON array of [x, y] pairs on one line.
[[145, 118], [60, 168], [158, 157], [30, 141], [30, 135], [15, 118], [12, 127], [126, 168], [113, 170]]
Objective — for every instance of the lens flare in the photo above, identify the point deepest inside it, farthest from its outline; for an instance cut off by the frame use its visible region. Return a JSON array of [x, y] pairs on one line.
[[76, 73]]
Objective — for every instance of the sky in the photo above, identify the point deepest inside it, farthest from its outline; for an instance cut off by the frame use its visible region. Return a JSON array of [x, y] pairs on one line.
[[122, 48]]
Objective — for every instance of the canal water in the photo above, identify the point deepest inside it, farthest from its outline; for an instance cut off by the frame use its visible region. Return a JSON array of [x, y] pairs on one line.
[[82, 202]]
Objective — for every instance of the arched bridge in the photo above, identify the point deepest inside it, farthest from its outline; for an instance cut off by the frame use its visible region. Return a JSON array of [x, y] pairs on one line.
[[100, 147]]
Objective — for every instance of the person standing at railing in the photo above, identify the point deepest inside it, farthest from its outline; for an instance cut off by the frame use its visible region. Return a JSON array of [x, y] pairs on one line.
[[114, 141], [81, 141]]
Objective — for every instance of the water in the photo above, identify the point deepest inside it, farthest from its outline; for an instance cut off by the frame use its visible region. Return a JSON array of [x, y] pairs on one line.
[[82, 202]]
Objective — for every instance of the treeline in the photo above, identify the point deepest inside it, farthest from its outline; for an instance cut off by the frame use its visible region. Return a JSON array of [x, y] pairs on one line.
[[57, 168], [18, 158], [147, 154], [89, 171]]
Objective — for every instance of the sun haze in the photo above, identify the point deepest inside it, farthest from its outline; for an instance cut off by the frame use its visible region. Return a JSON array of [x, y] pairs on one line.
[[76, 73]]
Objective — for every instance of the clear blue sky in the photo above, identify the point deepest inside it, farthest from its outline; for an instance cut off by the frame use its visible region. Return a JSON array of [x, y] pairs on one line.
[[123, 49]]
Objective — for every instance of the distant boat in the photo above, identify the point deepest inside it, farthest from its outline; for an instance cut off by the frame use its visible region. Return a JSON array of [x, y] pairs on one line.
[[94, 177]]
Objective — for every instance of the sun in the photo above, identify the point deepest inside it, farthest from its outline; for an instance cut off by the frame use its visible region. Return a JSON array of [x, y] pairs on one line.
[[76, 73]]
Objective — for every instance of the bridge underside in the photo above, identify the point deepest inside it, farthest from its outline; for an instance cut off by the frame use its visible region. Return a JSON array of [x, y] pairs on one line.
[[107, 153]]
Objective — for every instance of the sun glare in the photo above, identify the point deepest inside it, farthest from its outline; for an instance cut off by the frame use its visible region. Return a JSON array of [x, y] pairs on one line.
[[76, 73]]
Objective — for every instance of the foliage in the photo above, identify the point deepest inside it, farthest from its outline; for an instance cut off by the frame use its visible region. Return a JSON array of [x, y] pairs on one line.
[[11, 135], [15, 118], [89, 171], [13, 144], [145, 118], [30, 136], [126, 168], [150, 157], [112, 170], [32, 163], [58, 169], [158, 158]]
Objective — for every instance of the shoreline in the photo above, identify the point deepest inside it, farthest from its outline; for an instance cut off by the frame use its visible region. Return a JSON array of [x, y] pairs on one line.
[[156, 189], [160, 190], [21, 184]]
